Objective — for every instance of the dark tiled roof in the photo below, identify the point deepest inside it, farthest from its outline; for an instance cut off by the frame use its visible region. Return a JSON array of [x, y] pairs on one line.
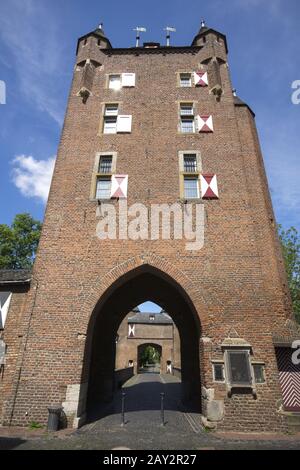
[[15, 276], [159, 318], [99, 33], [205, 30], [239, 102]]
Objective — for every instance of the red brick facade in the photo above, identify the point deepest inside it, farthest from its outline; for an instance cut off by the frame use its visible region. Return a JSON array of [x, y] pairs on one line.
[[234, 287]]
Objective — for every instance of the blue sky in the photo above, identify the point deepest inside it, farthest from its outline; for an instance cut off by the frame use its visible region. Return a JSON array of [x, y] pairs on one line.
[[37, 53]]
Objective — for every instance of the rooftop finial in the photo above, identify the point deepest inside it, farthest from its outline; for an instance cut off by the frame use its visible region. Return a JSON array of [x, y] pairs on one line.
[[139, 29], [169, 29], [203, 24]]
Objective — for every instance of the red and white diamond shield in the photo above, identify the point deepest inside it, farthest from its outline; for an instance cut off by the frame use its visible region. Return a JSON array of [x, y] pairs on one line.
[[205, 123], [201, 78], [209, 186], [119, 185]]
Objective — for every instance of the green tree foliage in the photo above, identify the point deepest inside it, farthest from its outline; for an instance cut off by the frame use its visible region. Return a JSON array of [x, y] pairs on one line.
[[19, 242], [290, 241], [150, 355]]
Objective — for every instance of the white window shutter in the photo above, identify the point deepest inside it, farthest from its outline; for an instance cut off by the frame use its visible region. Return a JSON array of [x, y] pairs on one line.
[[131, 331], [209, 186], [128, 79], [124, 123], [205, 123], [119, 186], [200, 78], [5, 298]]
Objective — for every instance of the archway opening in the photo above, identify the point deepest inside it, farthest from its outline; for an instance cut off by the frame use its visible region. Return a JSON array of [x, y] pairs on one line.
[[132, 289], [148, 358]]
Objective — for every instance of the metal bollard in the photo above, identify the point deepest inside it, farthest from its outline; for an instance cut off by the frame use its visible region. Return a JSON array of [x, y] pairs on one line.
[[123, 408], [162, 410], [53, 418]]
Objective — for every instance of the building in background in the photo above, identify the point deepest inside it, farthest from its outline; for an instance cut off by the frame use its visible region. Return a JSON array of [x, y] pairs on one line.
[[141, 330]]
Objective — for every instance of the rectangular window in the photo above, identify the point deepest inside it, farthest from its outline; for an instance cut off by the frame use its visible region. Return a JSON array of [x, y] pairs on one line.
[[186, 109], [105, 165], [110, 125], [239, 372], [103, 187], [187, 125], [191, 187], [259, 375], [185, 80], [218, 372], [115, 82], [111, 109], [190, 163], [189, 174]]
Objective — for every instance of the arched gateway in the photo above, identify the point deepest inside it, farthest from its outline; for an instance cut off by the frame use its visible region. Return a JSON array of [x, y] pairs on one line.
[[133, 288]]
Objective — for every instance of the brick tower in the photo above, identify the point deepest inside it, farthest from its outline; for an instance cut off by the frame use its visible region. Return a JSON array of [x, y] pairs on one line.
[[155, 125]]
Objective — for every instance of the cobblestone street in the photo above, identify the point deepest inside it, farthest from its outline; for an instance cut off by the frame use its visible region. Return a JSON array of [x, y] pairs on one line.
[[143, 429]]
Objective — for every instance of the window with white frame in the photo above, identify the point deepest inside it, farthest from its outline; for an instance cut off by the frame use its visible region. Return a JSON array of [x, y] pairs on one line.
[[185, 80], [105, 167], [115, 82], [218, 372], [113, 122], [110, 125], [121, 80], [110, 118], [191, 187], [187, 120], [103, 187], [189, 174], [186, 109], [187, 125], [111, 109]]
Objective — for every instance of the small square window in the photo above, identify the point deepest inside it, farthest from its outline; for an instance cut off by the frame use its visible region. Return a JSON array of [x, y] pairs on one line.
[[115, 82], [103, 188], [186, 109], [191, 188], [190, 163], [238, 363], [110, 125], [111, 109], [185, 80], [259, 375], [218, 370], [105, 165], [187, 125]]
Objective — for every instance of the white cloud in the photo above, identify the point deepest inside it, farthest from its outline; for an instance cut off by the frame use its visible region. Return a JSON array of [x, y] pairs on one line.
[[33, 177], [29, 31]]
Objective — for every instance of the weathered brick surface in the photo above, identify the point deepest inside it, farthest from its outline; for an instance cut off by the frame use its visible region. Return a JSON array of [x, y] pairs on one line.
[[237, 278]]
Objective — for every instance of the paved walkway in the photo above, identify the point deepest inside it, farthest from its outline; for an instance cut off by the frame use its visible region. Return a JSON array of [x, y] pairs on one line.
[[143, 429]]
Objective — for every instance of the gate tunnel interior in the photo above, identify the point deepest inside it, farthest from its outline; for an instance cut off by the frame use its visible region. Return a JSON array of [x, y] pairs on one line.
[[137, 286]]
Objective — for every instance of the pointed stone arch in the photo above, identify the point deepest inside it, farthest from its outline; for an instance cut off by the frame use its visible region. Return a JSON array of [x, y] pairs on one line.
[[145, 277]]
